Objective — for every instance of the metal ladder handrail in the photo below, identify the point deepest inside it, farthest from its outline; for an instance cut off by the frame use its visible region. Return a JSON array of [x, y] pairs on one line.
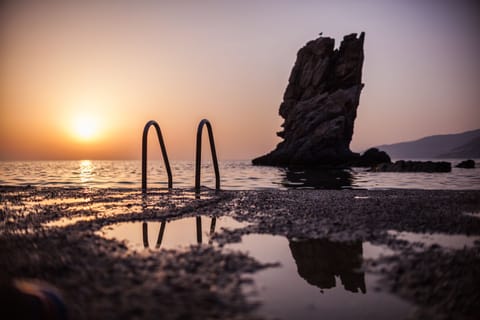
[[161, 232], [144, 154], [198, 156]]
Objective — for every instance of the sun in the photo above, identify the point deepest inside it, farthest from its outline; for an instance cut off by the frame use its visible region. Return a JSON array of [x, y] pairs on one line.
[[85, 127]]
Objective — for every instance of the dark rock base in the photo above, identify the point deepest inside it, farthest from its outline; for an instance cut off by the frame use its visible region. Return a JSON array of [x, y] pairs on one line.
[[466, 164], [413, 166]]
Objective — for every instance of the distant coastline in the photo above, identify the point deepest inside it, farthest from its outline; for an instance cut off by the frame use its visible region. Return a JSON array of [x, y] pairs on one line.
[[447, 146]]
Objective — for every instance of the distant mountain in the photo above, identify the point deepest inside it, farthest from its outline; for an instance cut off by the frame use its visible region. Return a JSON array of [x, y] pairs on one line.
[[468, 150], [460, 145]]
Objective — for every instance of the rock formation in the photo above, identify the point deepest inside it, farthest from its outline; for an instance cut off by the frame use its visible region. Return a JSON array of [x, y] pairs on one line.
[[372, 157], [320, 105], [466, 164], [413, 166]]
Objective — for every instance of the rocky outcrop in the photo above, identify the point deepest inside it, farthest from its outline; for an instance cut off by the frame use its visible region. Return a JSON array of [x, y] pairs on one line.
[[320, 104], [413, 166], [371, 157], [466, 164]]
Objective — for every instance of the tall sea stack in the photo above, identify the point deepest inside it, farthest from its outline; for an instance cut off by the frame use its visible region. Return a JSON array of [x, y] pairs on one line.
[[320, 105]]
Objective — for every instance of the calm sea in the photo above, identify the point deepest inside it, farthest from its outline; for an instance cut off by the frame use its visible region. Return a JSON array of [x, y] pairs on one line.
[[235, 175]]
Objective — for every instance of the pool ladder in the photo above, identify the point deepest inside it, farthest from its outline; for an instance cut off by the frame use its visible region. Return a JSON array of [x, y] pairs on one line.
[[198, 154], [161, 232]]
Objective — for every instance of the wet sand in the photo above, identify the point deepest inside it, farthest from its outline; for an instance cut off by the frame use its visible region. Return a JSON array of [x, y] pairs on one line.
[[102, 278]]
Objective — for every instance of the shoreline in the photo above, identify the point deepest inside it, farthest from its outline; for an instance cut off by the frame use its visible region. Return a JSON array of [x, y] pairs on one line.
[[236, 175], [102, 278]]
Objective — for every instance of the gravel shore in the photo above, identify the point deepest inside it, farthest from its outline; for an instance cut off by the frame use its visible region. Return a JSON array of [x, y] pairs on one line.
[[102, 279]]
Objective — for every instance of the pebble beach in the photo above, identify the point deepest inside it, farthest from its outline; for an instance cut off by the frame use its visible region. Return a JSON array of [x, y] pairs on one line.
[[55, 235]]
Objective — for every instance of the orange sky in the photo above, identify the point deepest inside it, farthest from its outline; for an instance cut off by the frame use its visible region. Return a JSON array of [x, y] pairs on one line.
[[118, 64]]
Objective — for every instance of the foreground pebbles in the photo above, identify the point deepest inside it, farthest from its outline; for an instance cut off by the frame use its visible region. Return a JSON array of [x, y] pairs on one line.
[[101, 278]]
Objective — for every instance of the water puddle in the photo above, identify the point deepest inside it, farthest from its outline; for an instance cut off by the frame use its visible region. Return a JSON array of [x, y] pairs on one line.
[[361, 197], [192, 195], [162, 200], [110, 203], [447, 241], [374, 252], [169, 234], [58, 201], [318, 279], [472, 214], [67, 221], [35, 205]]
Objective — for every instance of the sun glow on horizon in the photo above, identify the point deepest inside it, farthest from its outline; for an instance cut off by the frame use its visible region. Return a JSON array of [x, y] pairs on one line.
[[85, 127], [79, 79]]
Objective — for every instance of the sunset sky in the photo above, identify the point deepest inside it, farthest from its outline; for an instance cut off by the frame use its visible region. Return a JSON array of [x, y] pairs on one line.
[[79, 79]]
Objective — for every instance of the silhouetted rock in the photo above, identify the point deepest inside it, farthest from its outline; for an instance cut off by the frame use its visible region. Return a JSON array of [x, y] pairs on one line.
[[320, 105], [466, 164], [320, 260], [413, 166], [372, 157]]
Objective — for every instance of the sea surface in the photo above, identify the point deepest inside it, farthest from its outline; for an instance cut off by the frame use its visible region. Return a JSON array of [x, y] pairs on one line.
[[234, 175]]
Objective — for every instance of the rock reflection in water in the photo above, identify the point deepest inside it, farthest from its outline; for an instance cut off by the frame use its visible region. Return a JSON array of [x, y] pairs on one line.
[[320, 260], [303, 285], [318, 178]]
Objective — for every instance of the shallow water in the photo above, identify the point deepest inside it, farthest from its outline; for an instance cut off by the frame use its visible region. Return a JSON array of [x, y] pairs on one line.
[[314, 278], [235, 175], [473, 214], [168, 234], [447, 241], [67, 221], [318, 279]]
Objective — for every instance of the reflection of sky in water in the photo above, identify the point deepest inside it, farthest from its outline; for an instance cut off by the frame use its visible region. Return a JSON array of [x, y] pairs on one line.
[[318, 279], [173, 234], [472, 214], [448, 241], [67, 221]]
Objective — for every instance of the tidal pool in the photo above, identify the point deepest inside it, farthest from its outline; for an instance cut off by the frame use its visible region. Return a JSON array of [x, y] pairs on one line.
[[318, 279], [315, 278], [447, 241], [67, 221], [472, 214], [169, 234]]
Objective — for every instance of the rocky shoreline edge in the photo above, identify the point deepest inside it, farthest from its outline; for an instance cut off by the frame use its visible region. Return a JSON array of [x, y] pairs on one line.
[[101, 278]]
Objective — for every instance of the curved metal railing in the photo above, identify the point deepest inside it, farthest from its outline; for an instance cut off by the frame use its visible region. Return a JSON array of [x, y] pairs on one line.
[[198, 156], [144, 154], [161, 232]]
